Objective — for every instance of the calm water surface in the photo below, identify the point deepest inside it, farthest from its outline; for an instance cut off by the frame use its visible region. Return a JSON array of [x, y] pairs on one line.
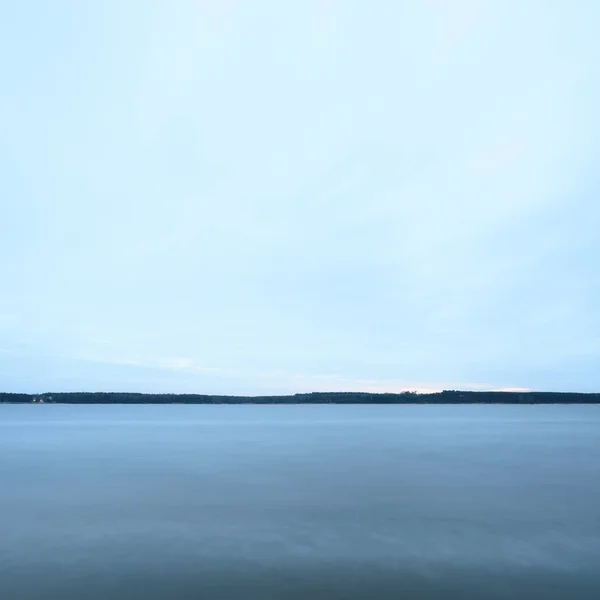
[[318, 502]]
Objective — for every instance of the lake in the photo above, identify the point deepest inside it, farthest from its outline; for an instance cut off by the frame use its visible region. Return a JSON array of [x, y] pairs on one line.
[[288, 502]]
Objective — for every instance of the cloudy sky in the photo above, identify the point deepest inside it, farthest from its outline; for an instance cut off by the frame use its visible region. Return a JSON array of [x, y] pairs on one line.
[[265, 196]]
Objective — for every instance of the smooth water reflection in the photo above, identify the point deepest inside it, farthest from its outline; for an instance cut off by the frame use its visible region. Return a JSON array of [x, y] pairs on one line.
[[293, 502]]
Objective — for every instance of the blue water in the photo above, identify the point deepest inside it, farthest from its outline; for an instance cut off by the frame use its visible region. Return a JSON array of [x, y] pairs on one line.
[[276, 502]]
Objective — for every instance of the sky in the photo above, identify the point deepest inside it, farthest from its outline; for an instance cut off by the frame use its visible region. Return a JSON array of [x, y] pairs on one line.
[[262, 197]]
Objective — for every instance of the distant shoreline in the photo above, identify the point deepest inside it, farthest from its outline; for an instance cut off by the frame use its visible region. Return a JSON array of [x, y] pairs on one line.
[[445, 397]]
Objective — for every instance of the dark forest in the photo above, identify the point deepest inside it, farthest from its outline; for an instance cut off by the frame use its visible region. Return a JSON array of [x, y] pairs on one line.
[[445, 397]]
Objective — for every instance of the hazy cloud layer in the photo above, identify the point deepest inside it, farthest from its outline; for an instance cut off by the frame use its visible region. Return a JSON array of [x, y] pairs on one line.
[[378, 196]]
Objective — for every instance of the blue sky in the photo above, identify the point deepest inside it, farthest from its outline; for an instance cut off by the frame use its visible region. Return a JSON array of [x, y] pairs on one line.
[[272, 197]]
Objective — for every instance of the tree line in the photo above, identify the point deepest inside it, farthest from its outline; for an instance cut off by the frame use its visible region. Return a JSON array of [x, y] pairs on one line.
[[445, 397]]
